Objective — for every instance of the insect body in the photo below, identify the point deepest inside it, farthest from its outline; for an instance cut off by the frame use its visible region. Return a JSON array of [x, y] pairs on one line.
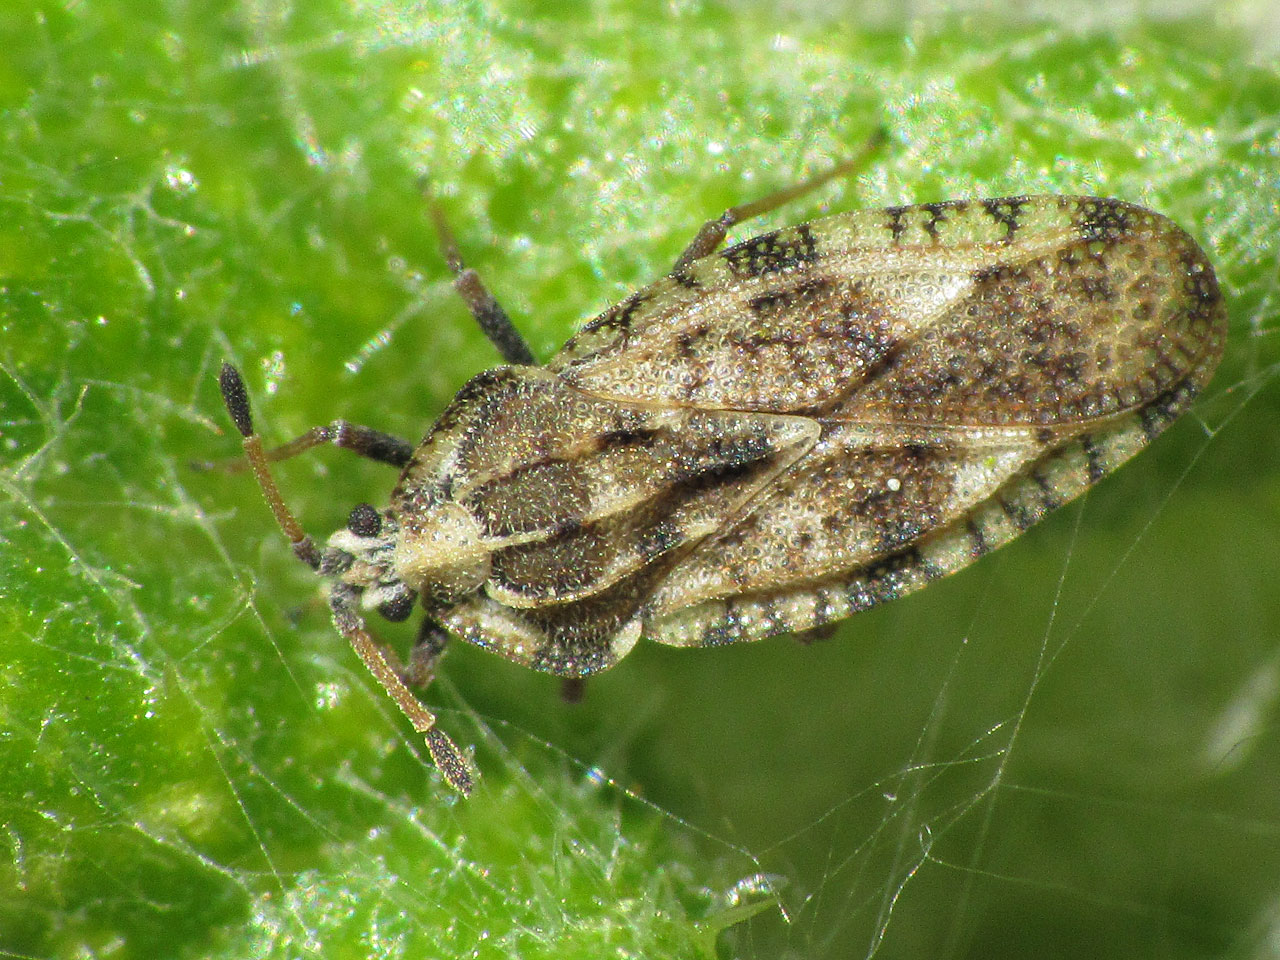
[[772, 437]]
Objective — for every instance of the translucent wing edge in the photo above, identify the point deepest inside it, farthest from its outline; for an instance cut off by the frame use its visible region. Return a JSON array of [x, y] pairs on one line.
[[1025, 499]]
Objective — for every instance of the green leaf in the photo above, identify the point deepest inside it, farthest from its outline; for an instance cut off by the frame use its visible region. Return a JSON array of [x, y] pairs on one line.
[[1068, 747]]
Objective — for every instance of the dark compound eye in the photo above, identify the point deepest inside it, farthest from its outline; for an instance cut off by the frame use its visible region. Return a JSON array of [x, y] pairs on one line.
[[398, 609], [364, 521]]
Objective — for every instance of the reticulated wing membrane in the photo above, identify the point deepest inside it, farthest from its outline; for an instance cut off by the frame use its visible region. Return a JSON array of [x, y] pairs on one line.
[[1028, 310], [864, 493], [1021, 350]]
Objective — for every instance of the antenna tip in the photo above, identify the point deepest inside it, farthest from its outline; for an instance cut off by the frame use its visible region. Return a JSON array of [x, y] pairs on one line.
[[236, 398], [450, 761]]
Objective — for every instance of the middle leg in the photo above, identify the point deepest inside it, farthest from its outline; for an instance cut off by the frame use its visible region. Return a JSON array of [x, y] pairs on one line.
[[484, 306]]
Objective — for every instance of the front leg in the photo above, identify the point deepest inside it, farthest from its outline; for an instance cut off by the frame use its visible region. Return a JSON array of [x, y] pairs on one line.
[[427, 647]]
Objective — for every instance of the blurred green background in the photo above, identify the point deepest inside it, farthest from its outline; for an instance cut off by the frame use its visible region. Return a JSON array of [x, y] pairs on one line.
[[1070, 749]]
